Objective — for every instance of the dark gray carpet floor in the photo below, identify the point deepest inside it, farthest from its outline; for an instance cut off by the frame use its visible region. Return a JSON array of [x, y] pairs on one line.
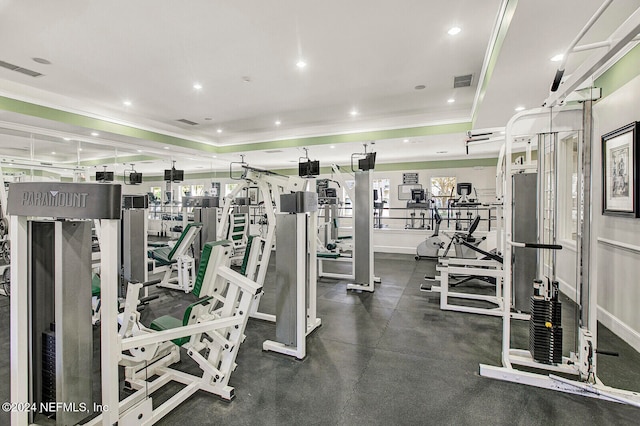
[[387, 358]]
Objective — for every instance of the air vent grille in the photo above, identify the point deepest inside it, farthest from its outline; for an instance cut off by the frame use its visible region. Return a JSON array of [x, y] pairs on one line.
[[19, 69], [189, 122], [462, 81]]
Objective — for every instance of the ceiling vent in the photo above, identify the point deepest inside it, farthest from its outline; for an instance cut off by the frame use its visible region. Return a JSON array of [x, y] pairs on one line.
[[462, 81], [189, 122], [19, 69], [273, 151]]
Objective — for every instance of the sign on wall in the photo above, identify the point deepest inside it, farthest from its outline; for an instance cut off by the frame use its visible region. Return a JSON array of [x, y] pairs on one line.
[[409, 178]]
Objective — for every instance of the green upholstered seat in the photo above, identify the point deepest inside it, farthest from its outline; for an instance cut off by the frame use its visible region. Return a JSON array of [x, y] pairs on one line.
[[167, 322], [95, 285], [161, 255]]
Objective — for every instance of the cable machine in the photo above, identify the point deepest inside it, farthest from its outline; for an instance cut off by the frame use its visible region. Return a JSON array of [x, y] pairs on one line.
[[544, 353]]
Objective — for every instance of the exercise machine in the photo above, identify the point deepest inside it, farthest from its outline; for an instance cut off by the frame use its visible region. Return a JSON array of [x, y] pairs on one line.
[[544, 354], [361, 195], [55, 218], [176, 258], [295, 280], [430, 248], [210, 332], [270, 186], [455, 271]]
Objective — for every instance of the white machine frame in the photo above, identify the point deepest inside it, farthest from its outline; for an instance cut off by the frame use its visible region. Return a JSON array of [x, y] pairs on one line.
[[151, 352], [580, 364], [271, 186], [306, 296]]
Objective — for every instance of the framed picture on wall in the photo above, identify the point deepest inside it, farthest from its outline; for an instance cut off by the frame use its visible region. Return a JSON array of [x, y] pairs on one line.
[[620, 162], [253, 195]]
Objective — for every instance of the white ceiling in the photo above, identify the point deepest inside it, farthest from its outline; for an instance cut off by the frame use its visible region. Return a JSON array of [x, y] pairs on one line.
[[360, 55]]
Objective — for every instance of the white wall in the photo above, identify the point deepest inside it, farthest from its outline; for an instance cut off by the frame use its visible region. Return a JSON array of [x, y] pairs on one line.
[[617, 269]]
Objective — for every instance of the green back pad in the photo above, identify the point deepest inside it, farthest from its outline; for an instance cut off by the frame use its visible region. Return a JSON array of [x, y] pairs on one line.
[[182, 237], [204, 263], [245, 259], [95, 285]]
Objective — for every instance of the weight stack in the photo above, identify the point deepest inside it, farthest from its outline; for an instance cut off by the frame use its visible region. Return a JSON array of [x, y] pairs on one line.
[[48, 366], [545, 331]]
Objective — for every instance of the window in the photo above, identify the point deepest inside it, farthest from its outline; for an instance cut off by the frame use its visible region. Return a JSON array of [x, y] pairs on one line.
[[441, 189], [197, 190], [157, 193], [228, 188]]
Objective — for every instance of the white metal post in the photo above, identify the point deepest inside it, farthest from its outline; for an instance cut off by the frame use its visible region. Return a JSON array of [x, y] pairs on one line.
[[20, 324], [110, 341]]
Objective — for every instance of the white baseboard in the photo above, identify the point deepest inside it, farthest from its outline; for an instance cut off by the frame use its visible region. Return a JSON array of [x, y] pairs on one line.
[[394, 249], [622, 330], [567, 289]]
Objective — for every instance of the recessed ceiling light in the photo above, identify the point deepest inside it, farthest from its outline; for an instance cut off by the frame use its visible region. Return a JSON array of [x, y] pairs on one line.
[[451, 100], [42, 61], [332, 146], [67, 139], [139, 150], [278, 123], [95, 134], [166, 147], [420, 87], [454, 30], [557, 58], [353, 112], [520, 108], [406, 140], [214, 156], [79, 149], [53, 152], [127, 103], [197, 86], [301, 64], [219, 130]]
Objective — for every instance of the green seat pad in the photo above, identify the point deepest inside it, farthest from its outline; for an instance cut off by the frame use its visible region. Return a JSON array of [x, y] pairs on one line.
[[167, 322], [329, 255], [161, 255], [95, 285]]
